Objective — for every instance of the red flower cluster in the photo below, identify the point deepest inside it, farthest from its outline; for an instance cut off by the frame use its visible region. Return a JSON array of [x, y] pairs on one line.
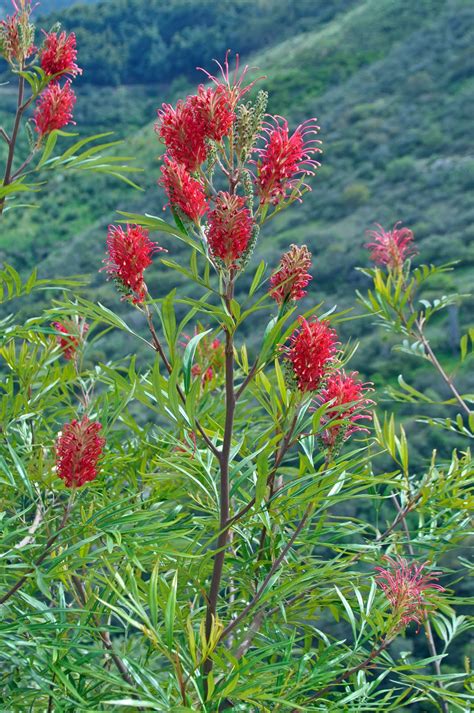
[[349, 405], [289, 281], [70, 336], [405, 587], [54, 108], [59, 54], [129, 254], [285, 160], [184, 191], [208, 115], [391, 248], [230, 228], [312, 348], [16, 34], [78, 449]]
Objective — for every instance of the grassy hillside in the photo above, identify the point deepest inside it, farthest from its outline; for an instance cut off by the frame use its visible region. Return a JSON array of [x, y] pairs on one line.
[[392, 86]]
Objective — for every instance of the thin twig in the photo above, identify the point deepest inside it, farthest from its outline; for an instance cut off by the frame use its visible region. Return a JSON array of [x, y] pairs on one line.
[[42, 557], [159, 348], [4, 135], [259, 593], [104, 635], [347, 674], [38, 519], [436, 363]]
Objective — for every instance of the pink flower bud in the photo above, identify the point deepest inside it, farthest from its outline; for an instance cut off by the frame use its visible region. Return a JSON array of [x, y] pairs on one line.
[[54, 108], [59, 54], [349, 406], [230, 228], [184, 191], [405, 587], [311, 349], [285, 160], [129, 254], [289, 281], [391, 248]]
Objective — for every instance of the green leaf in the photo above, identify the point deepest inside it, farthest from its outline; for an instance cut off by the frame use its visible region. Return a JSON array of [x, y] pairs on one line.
[[188, 357], [170, 612]]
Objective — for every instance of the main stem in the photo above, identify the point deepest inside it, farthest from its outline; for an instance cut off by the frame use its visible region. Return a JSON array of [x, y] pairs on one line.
[[12, 143], [224, 500]]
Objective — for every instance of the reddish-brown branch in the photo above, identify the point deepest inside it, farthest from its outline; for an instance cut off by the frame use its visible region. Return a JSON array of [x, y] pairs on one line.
[[224, 503], [12, 142]]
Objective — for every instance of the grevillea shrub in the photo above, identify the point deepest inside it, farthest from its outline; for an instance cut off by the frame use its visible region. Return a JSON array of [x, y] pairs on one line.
[[223, 528]]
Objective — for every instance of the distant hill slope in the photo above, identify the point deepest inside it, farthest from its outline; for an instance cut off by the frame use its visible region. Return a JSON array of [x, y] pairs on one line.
[[391, 82], [45, 7]]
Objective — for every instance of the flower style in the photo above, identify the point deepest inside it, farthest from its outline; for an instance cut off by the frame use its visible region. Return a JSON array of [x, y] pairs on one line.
[[348, 406], [54, 108], [17, 34], [184, 191], [59, 54], [230, 228], [129, 254], [70, 335], [312, 348], [232, 83], [285, 160], [391, 248], [184, 134], [78, 449], [289, 281], [405, 587]]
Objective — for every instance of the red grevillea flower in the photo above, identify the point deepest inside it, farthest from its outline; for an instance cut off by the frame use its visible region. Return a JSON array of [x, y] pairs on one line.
[[59, 54], [285, 159], [230, 228], [78, 449], [129, 254], [17, 34], [70, 336], [212, 108], [405, 587], [54, 108], [311, 349], [349, 406], [184, 191], [391, 248], [184, 134], [289, 281]]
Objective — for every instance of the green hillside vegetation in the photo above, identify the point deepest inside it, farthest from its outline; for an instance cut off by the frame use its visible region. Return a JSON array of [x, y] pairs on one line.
[[392, 87]]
